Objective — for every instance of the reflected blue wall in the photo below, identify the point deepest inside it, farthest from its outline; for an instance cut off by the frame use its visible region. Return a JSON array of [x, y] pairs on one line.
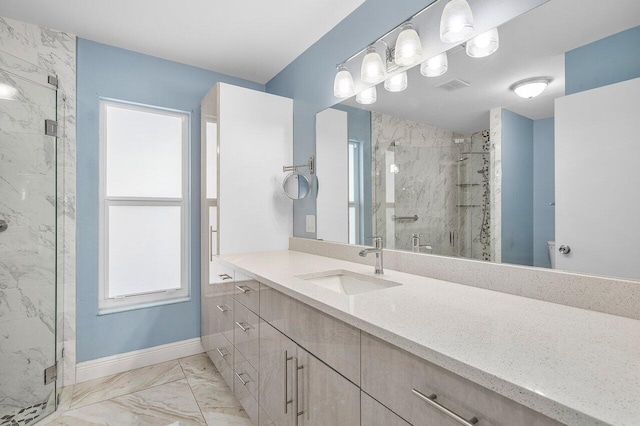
[[110, 72], [517, 189], [544, 222], [611, 60]]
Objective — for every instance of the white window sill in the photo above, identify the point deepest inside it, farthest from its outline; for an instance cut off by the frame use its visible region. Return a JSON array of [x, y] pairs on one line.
[[133, 307]]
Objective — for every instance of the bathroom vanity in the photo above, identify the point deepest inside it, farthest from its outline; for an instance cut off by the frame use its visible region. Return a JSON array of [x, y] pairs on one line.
[[297, 347]]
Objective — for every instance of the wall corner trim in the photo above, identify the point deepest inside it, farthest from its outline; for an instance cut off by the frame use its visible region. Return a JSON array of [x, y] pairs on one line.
[[120, 363]]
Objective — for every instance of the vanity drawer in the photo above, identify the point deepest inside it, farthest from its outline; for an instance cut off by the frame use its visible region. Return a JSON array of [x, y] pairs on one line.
[[329, 339], [221, 273], [245, 372], [246, 332], [248, 401], [391, 375], [247, 292], [222, 357], [376, 414]]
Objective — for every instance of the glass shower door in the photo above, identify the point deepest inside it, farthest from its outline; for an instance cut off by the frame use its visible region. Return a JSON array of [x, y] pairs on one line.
[[27, 242]]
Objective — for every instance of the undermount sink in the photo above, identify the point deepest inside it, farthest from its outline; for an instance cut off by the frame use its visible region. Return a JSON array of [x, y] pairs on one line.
[[346, 282]]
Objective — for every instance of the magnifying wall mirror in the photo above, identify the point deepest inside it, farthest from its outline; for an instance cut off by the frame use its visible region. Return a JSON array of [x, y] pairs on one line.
[[296, 186]]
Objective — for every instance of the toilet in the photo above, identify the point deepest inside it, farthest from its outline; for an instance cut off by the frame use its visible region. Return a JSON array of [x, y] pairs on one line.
[[552, 253]]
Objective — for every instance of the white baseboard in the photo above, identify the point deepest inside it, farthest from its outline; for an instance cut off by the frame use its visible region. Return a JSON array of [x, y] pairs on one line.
[[114, 364]]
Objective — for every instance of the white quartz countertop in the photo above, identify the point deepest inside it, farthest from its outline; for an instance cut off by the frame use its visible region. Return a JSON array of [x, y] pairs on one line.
[[577, 366]]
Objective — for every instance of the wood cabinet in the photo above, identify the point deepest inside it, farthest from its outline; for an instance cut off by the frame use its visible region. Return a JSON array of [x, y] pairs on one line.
[[299, 389]]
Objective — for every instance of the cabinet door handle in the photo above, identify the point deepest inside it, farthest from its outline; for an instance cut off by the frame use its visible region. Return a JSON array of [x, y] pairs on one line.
[[244, 328], [225, 277], [286, 399], [296, 369], [222, 308], [211, 231], [244, 382], [220, 352], [431, 400], [243, 288]]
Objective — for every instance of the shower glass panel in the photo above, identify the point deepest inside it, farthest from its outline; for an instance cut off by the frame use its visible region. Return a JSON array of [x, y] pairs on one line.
[[439, 192], [27, 242]]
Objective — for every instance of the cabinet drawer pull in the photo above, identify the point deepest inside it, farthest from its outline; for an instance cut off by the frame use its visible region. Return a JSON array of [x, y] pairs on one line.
[[296, 369], [244, 382], [244, 328], [221, 354], [224, 308], [244, 288], [287, 401], [225, 277], [431, 400]]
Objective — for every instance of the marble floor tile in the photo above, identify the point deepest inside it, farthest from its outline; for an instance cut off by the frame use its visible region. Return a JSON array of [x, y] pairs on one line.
[[163, 405], [198, 365], [227, 417], [125, 383]]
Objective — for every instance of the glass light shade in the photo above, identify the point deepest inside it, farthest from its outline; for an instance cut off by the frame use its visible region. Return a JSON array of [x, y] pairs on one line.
[[408, 49], [367, 96], [530, 88], [435, 66], [397, 83], [343, 86], [456, 22], [483, 44], [373, 68]]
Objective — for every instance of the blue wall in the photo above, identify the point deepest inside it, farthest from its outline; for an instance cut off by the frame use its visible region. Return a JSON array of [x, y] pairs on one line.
[[610, 60], [544, 219], [517, 189], [309, 79], [359, 123], [106, 71]]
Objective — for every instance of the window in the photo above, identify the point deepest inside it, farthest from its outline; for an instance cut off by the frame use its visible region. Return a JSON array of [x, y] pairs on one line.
[[144, 184], [355, 191]]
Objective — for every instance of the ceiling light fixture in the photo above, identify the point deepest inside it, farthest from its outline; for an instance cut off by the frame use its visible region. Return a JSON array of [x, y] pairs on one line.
[[456, 22], [435, 66], [367, 96], [408, 49], [531, 87], [397, 83], [343, 86], [484, 44], [373, 68]]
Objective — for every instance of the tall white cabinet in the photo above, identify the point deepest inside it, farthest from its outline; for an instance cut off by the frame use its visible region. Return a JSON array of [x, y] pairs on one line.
[[247, 136]]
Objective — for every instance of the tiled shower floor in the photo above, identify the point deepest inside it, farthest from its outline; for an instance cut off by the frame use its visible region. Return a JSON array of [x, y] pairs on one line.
[[189, 391]]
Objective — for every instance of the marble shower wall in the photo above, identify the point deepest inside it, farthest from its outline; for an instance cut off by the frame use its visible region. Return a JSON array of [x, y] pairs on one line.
[[417, 171], [44, 51], [495, 176]]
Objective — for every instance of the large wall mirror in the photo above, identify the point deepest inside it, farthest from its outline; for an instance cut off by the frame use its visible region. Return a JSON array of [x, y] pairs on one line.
[[528, 154]]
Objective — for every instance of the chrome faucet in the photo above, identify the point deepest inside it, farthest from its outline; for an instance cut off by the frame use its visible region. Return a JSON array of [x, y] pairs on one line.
[[378, 251], [416, 246]]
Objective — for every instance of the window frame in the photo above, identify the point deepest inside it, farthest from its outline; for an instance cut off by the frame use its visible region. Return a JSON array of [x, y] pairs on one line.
[[108, 304]]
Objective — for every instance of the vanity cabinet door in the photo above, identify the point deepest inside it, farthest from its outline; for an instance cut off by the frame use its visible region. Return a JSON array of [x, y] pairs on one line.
[[404, 382], [333, 341], [376, 414], [324, 397], [275, 387]]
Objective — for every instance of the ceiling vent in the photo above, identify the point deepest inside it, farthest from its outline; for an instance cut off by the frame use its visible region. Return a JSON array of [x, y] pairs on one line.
[[453, 85]]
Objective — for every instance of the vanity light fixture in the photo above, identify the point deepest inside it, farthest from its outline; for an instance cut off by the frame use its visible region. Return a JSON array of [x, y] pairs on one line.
[[408, 50], [397, 83], [373, 68], [435, 66], [343, 86], [531, 87], [456, 22], [484, 44], [367, 96]]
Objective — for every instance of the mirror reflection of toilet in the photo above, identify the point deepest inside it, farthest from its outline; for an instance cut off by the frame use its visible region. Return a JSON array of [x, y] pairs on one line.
[[552, 253]]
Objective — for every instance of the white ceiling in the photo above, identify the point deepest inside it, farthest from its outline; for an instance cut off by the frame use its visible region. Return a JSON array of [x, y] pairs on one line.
[[531, 45], [253, 40]]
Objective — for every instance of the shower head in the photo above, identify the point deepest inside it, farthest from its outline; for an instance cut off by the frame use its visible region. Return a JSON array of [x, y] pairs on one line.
[[462, 159]]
